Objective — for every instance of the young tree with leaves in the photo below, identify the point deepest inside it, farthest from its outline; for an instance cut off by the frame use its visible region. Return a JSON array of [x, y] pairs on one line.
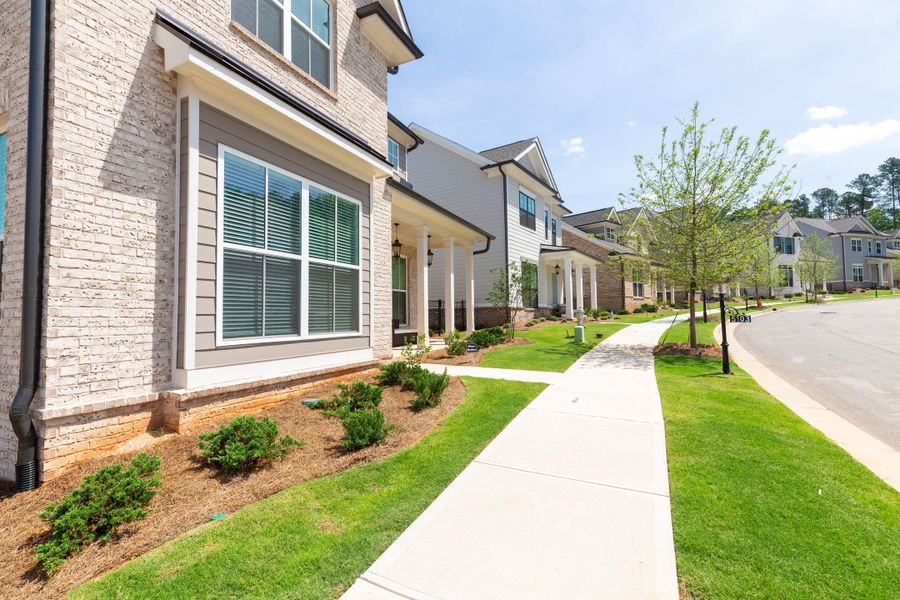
[[760, 271], [826, 203], [712, 197], [511, 290], [816, 263], [889, 176]]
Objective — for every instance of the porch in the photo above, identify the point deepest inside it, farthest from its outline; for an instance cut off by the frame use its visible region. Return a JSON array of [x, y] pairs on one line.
[[561, 279], [880, 271], [418, 228]]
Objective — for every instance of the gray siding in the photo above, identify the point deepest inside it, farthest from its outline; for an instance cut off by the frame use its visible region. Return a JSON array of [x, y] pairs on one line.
[[217, 128]]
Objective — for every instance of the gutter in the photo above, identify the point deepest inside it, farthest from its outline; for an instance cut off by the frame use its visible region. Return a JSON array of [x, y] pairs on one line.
[[32, 274]]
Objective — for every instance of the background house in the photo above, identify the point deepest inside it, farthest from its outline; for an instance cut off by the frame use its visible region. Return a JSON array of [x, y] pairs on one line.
[[864, 259]]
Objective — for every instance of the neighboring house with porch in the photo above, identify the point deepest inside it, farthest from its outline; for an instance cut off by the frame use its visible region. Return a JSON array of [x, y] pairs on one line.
[[864, 258], [211, 220], [510, 192], [784, 242]]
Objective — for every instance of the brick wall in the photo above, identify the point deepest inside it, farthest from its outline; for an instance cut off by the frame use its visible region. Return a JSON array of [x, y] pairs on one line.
[[111, 210]]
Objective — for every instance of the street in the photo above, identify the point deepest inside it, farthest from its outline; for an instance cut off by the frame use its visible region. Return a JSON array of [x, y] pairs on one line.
[[845, 355]]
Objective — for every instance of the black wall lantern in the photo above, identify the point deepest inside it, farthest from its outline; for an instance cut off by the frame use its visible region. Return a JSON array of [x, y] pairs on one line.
[[556, 270], [397, 247], [430, 253]]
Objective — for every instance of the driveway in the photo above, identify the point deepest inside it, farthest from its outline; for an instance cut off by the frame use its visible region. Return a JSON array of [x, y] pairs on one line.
[[845, 355]]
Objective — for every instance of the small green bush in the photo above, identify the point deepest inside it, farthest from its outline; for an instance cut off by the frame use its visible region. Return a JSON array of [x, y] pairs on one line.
[[624, 312], [350, 398], [485, 338], [363, 428], [393, 373], [605, 314], [245, 442], [638, 310], [649, 308], [103, 502], [456, 345], [428, 387]]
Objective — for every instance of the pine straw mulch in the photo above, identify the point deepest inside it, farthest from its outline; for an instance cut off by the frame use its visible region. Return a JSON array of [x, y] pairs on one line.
[[441, 357], [192, 492], [703, 350]]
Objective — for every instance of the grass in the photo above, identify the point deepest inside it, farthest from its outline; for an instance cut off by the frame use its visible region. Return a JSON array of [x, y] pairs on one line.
[[680, 332], [313, 540], [645, 317], [763, 505], [550, 350]]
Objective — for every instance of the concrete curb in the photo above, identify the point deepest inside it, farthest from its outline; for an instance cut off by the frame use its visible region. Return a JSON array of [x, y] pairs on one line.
[[877, 456]]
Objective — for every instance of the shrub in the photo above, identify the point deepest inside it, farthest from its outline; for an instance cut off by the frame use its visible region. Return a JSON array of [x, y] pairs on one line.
[[414, 353], [428, 387], [393, 373], [456, 345], [104, 501], [623, 312], [638, 310], [357, 396], [604, 314], [244, 443], [485, 338], [650, 308], [363, 428]]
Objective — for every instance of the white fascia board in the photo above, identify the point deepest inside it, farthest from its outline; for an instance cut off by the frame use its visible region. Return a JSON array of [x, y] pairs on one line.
[[545, 164], [220, 81], [448, 144]]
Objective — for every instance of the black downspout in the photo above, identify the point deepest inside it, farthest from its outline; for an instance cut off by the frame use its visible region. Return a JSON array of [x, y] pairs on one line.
[[32, 275]]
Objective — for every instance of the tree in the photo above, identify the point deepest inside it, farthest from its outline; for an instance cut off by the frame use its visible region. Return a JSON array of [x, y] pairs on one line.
[[879, 218], [889, 176], [760, 270], [712, 199], [826, 203], [866, 188], [510, 290], [816, 263], [799, 206], [848, 203]]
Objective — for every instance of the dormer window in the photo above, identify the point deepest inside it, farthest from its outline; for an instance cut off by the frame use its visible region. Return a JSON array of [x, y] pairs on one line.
[[397, 155], [307, 26]]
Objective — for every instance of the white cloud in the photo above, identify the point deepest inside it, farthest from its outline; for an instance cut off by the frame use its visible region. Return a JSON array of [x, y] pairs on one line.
[[632, 123], [574, 146], [826, 113], [828, 140]]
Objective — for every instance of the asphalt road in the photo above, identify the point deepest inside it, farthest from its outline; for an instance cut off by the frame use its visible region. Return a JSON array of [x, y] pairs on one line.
[[845, 355]]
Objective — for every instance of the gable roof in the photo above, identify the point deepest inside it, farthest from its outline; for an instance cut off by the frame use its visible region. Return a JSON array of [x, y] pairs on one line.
[[855, 224], [593, 216], [508, 151]]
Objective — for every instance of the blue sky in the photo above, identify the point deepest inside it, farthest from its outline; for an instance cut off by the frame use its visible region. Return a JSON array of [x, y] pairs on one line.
[[596, 80]]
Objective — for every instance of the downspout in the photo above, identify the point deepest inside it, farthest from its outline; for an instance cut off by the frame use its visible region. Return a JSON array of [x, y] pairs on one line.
[[32, 274]]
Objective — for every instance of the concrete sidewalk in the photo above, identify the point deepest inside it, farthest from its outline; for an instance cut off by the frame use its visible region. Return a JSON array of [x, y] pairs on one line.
[[490, 373], [570, 501]]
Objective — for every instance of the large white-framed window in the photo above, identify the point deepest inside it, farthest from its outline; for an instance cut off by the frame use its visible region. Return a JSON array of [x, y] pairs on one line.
[[855, 245], [288, 256], [784, 245], [301, 30], [858, 274], [637, 282], [526, 211], [394, 153], [787, 275], [399, 290]]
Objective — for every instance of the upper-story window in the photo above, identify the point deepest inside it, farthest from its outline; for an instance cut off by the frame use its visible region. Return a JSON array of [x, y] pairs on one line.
[[878, 248], [784, 245], [298, 29], [609, 233], [3, 142], [397, 155], [553, 231], [869, 246], [546, 224], [856, 245], [526, 211]]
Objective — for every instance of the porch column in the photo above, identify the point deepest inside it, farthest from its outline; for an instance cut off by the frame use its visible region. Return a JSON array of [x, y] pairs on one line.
[[422, 283], [880, 275], [470, 290], [449, 287], [890, 267], [570, 310], [543, 283], [594, 287], [579, 284]]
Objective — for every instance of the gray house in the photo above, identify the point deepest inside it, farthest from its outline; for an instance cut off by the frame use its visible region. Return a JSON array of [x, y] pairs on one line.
[[864, 257]]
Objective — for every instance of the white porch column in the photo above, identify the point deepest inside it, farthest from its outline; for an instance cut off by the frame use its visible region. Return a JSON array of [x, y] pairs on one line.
[[470, 290], [594, 287], [880, 275], [543, 283], [579, 285], [570, 309], [449, 287], [890, 274], [422, 283]]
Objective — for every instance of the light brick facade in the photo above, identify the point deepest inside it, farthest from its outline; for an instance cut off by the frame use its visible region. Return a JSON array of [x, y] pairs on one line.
[[110, 275]]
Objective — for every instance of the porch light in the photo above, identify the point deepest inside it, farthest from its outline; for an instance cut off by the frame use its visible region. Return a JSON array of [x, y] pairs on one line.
[[556, 270], [397, 247], [430, 253]]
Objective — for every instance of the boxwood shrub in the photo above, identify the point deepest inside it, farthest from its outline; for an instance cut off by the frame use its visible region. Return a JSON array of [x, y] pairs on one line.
[[363, 428], [244, 443]]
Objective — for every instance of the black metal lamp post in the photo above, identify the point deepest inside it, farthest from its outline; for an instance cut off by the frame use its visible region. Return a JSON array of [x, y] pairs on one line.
[[726, 364]]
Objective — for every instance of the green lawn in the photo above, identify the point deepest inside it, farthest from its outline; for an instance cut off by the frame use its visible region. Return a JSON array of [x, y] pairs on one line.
[[550, 350], [680, 332], [645, 317], [765, 506], [315, 539]]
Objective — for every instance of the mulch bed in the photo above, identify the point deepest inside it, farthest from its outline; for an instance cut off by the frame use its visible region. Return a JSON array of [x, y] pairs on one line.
[[470, 359], [704, 350], [191, 492]]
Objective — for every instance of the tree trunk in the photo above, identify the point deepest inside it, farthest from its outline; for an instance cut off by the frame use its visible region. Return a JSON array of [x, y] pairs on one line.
[[692, 321]]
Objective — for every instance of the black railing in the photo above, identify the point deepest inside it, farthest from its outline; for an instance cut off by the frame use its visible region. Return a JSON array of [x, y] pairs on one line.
[[436, 320]]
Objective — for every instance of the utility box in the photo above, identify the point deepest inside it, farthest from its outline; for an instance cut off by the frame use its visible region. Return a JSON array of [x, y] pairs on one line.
[[579, 334]]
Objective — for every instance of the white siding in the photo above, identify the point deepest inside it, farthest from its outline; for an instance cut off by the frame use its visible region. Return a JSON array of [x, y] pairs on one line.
[[460, 186]]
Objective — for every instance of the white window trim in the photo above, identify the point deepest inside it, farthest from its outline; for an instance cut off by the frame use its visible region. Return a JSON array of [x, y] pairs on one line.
[[853, 243], [534, 198], [406, 291], [303, 258], [396, 143], [862, 273]]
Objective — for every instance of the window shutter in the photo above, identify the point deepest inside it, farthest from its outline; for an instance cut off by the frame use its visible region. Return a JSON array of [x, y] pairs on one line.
[[321, 294], [242, 294], [346, 297], [347, 232], [284, 214], [282, 296], [244, 13], [245, 188], [270, 24], [321, 224]]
